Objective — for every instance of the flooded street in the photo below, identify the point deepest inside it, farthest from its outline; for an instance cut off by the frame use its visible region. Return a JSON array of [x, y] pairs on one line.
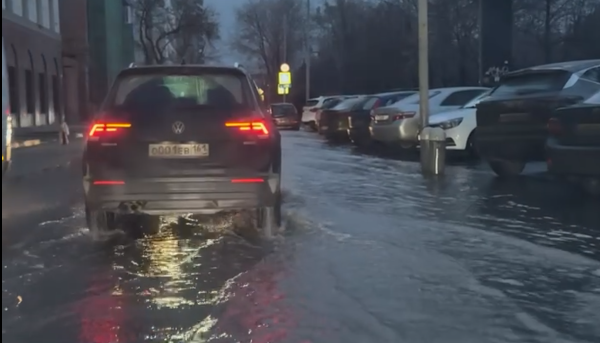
[[370, 252]]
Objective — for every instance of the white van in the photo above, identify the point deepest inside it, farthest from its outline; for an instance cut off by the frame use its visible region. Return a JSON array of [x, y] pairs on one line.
[[6, 128]]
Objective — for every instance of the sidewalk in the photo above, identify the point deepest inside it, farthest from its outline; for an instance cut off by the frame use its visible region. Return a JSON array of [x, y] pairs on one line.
[[36, 135]]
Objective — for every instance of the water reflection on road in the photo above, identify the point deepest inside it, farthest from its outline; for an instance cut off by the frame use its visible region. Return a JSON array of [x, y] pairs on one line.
[[371, 252]]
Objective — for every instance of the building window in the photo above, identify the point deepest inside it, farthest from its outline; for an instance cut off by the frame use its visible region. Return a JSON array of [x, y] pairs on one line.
[[13, 89], [43, 94], [32, 10], [55, 16], [56, 96], [45, 9], [29, 92], [17, 7]]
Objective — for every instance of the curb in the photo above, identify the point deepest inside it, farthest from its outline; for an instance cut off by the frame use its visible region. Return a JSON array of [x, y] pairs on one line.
[[35, 142]]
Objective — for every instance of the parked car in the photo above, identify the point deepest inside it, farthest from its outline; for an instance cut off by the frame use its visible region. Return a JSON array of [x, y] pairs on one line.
[[6, 125], [334, 122], [360, 119], [399, 125], [573, 145], [460, 126], [327, 105], [309, 111], [285, 116], [512, 122]]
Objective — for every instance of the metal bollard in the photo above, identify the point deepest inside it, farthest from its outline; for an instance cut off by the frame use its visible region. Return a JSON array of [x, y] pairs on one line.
[[433, 151]]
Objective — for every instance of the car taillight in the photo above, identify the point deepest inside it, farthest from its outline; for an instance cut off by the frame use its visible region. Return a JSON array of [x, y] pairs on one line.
[[104, 129], [554, 127], [258, 127], [403, 115]]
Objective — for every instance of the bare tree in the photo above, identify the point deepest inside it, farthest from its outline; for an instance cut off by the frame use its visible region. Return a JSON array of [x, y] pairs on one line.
[[269, 31], [173, 30]]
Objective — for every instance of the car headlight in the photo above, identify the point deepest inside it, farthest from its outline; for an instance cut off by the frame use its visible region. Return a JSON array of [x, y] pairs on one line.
[[449, 124]]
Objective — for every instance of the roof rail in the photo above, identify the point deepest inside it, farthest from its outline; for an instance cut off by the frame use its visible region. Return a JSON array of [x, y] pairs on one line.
[[132, 65]]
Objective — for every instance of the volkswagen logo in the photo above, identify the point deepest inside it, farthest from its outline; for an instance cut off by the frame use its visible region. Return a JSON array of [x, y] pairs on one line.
[[178, 127]]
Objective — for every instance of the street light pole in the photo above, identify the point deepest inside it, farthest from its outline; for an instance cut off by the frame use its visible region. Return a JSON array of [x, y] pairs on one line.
[[285, 33], [308, 50], [432, 140]]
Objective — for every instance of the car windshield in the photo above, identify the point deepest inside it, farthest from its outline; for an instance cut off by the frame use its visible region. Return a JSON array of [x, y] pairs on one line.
[[222, 91], [473, 103], [312, 102], [415, 98], [532, 83], [347, 104], [595, 99], [283, 110]]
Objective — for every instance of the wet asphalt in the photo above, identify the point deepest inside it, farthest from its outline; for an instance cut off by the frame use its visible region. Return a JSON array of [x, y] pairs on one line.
[[371, 252]]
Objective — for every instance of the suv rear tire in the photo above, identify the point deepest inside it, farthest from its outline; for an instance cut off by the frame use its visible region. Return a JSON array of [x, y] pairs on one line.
[[506, 169], [100, 221]]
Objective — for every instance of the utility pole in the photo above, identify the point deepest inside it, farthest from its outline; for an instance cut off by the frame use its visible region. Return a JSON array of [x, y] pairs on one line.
[[308, 49], [285, 43], [432, 140]]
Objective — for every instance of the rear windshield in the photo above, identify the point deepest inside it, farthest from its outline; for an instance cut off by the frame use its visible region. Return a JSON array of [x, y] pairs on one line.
[[532, 83], [283, 110], [416, 98], [214, 91], [595, 99], [312, 103], [348, 104], [330, 103]]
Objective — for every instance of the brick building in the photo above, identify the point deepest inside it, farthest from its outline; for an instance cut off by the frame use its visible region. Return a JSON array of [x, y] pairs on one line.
[[31, 32]]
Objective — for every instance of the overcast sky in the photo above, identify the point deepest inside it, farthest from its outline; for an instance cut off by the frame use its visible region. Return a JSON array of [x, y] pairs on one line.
[[226, 12]]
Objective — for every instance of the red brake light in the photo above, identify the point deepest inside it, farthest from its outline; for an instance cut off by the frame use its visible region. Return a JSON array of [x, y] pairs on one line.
[[554, 127], [251, 126], [100, 129], [403, 115]]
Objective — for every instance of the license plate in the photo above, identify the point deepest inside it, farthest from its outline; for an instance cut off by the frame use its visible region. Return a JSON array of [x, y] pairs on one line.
[[169, 150], [381, 117]]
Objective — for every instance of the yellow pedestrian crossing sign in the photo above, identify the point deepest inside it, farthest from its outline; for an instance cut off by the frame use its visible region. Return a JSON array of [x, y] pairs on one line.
[[283, 89], [285, 78]]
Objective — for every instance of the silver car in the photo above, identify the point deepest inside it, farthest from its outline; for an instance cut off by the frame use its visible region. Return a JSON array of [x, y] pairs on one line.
[[399, 124], [6, 125]]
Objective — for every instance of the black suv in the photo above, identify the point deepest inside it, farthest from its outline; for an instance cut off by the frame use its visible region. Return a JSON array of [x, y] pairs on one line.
[[512, 122], [180, 140]]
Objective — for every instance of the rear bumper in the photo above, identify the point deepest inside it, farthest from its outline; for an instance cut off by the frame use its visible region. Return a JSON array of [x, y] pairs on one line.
[[573, 160], [5, 167], [524, 148], [161, 196]]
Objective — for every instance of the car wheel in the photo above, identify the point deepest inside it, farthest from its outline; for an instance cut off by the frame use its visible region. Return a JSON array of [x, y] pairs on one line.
[[267, 220], [100, 221], [592, 187], [150, 225], [140, 225], [505, 169], [471, 148]]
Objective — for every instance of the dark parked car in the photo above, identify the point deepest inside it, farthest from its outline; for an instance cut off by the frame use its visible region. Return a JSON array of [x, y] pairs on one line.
[[333, 123], [360, 118], [178, 140], [512, 122], [285, 116], [573, 148]]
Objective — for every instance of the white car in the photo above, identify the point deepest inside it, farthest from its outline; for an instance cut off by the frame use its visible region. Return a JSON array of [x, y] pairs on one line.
[[312, 107], [460, 126], [399, 124]]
